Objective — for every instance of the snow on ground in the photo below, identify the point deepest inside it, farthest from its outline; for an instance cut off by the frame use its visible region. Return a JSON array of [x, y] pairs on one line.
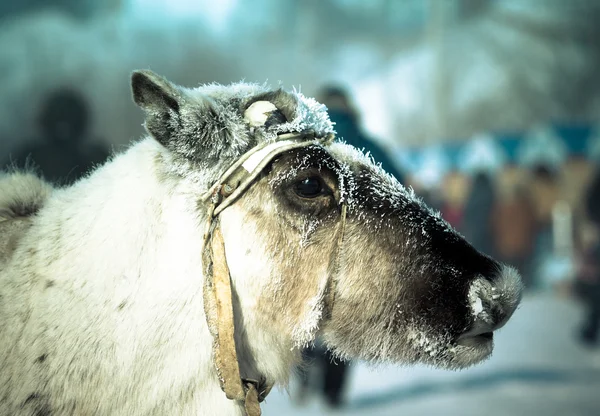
[[537, 368]]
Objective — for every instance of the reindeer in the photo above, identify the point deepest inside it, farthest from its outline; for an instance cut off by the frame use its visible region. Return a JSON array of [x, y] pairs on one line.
[[184, 276]]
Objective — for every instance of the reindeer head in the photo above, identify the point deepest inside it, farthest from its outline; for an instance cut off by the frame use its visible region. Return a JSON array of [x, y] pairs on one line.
[[324, 241]]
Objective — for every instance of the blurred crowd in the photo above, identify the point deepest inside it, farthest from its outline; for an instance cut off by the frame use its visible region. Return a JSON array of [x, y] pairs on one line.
[[535, 218]]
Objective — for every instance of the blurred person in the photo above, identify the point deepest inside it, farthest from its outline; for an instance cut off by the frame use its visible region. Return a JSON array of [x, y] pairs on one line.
[[453, 214], [347, 125], [452, 196], [477, 213], [587, 284], [63, 153], [514, 229], [431, 193], [544, 189], [329, 371], [432, 197]]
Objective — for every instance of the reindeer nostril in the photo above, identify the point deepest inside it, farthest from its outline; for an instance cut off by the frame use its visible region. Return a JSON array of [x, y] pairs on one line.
[[498, 315], [492, 301]]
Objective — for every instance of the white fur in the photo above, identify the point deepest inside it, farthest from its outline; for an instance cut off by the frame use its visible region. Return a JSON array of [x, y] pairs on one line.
[[21, 189], [158, 341]]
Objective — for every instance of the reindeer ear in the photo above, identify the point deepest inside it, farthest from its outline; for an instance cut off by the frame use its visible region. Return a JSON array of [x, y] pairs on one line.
[[161, 100]]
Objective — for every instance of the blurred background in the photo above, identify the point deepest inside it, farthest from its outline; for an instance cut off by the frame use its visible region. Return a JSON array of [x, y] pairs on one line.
[[489, 109]]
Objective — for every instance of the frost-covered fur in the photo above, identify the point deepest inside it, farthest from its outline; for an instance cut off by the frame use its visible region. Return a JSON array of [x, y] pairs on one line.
[[101, 301], [22, 195]]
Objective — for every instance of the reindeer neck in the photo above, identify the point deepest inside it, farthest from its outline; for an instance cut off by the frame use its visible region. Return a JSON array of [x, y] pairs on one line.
[[128, 244]]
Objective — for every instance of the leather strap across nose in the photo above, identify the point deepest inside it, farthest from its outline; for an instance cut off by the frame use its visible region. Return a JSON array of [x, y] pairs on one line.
[[218, 304]]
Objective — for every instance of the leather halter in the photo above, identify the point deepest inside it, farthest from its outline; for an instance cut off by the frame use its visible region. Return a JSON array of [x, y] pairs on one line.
[[218, 305]]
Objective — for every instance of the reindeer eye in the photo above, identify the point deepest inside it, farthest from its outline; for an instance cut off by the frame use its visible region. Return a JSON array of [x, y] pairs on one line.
[[310, 187]]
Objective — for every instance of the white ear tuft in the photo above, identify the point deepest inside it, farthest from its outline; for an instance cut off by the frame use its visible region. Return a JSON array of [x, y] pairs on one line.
[[258, 113]]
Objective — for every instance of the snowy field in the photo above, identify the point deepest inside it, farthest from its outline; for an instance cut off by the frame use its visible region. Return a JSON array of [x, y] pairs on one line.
[[537, 369]]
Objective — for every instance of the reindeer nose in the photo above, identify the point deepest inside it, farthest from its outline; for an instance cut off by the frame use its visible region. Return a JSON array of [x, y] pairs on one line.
[[492, 301]]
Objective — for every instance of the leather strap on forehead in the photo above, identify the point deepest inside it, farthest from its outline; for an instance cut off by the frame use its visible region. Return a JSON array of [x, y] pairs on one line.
[[238, 178]]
